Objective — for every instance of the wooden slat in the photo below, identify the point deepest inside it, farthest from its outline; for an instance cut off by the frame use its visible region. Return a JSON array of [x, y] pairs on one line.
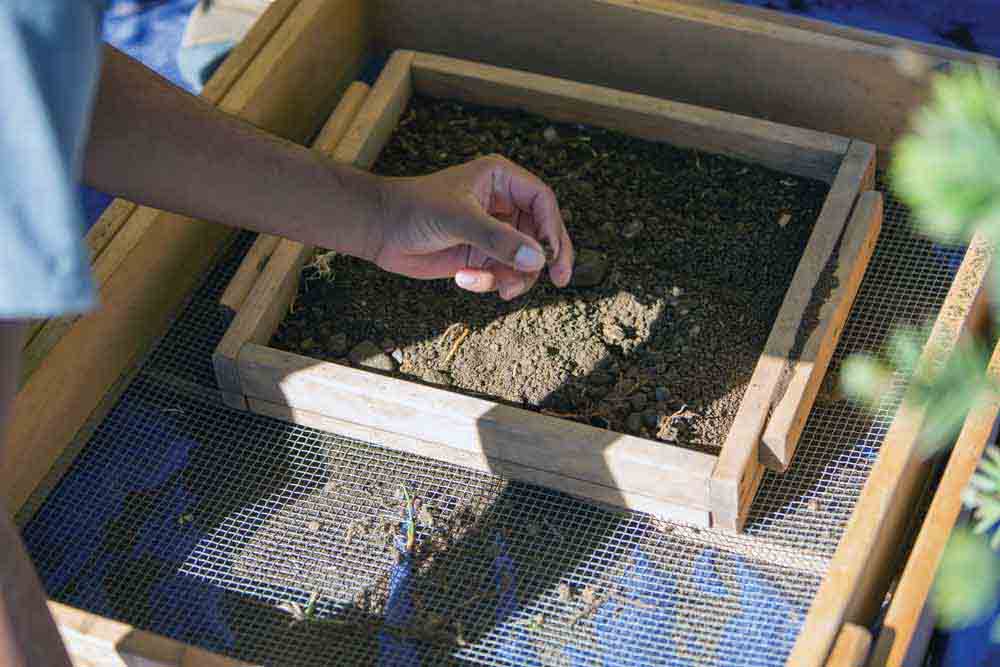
[[153, 279], [271, 296], [851, 648], [259, 316], [256, 258], [474, 427], [249, 270], [805, 374], [671, 50], [740, 469], [863, 564], [789, 149], [904, 634], [404, 443], [94, 641], [336, 35]]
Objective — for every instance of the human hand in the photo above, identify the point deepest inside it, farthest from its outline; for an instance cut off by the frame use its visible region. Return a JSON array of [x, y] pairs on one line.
[[480, 223]]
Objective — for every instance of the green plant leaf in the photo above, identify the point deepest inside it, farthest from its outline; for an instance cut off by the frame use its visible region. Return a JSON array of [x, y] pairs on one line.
[[966, 582]]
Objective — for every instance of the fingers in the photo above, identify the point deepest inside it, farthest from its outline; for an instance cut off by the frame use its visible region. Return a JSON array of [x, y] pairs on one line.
[[516, 188], [498, 240], [508, 283]]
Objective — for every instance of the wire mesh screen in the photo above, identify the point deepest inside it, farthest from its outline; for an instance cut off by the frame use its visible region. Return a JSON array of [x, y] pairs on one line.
[[284, 545]]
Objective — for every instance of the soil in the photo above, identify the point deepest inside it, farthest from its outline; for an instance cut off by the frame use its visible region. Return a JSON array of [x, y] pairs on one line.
[[683, 262]]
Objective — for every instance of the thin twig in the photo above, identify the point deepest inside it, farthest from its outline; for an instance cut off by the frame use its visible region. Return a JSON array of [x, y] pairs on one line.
[[455, 345]]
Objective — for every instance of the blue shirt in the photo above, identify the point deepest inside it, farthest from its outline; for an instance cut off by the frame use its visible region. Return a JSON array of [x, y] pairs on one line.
[[50, 53]]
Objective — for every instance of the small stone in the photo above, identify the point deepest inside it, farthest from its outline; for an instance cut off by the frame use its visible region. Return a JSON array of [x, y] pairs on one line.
[[784, 219], [676, 291], [313, 526], [632, 229], [589, 268], [813, 505], [308, 345], [650, 418], [633, 422], [695, 330], [367, 354], [638, 401], [337, 345], [661, 394], [565, 592], [437, 377], [550, 135], [397, 354]]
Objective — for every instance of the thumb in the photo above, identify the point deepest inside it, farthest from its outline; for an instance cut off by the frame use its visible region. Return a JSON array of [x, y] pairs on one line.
[[499, 241]]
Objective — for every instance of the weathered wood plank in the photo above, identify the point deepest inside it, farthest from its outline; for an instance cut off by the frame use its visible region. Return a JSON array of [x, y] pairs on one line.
[[806, 372], [851, 648], [95, 641], [792, 150], [474, 427], [863, 563], [905, 630], [440, 452], [740, 470], [670, 49]]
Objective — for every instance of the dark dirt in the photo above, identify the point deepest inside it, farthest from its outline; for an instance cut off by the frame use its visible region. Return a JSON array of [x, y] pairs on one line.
[[688, 257]]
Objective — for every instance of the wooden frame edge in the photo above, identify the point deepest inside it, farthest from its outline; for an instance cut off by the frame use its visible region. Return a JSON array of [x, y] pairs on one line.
[[861, 566], [742, 460], [789, 149], [906, 616], [95, 641], [851, 648]]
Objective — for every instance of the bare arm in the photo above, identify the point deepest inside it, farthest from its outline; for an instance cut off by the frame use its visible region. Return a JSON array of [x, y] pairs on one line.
[[28, 636], [153, 143]]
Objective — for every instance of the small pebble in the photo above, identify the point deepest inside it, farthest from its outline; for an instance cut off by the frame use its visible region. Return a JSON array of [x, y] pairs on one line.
[[676, 292], [337, 345], [784, 219], [661, 394], [695, 330], [589, 268], [308, 345], [367, 354], [313, 526], [633, 422], [397, 354], [550, 135], [632, 229], [813, 505], [613, 333], [565, 592]]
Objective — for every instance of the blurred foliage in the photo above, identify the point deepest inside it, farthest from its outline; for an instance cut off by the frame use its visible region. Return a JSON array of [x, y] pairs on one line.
[[947, 170]]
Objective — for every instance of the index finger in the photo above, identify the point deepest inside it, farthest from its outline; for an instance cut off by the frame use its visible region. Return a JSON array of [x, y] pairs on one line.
[[515, 186]]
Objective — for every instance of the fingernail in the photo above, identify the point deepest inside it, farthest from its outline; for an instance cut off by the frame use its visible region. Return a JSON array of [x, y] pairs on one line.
[[528, 259], [466, 280]]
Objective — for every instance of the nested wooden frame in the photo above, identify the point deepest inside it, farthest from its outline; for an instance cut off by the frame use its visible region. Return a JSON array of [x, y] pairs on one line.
[[634, 472], [706, 52]]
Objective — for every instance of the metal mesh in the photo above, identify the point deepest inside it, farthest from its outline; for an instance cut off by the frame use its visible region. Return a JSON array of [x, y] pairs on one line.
[[198, 522]]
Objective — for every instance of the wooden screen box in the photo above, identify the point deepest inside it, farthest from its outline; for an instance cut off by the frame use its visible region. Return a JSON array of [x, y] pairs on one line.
[[635, 472]]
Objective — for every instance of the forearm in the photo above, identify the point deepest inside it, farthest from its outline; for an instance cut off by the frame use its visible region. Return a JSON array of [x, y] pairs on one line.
[[27, 634], [153, 143]]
